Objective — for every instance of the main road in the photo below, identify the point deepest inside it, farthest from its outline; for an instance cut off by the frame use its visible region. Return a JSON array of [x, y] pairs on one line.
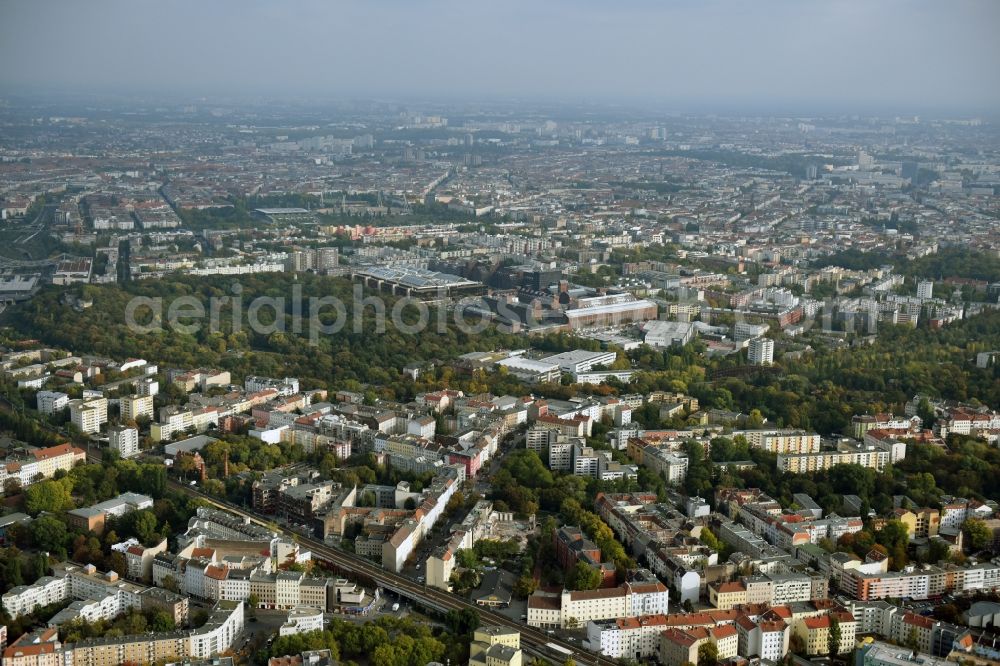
[[532, 637]]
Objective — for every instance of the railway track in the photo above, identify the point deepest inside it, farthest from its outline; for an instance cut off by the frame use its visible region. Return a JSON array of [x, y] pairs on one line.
[[533, 638]]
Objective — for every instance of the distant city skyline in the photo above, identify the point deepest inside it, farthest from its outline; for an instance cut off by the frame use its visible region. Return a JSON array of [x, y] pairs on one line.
[[895, 56]]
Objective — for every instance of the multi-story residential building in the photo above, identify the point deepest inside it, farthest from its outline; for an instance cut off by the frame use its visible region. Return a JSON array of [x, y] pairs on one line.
[[302, 619], [773, 589], [561, 454], [765, 636], [920, 523], [671, 466], [815, 634], [40, 463], [100, 596], [285, 387], [868, 582], [441, 562], [495, 646], [202, 379], [861, 424], [967, 421], [572, 546], [538, 438], [124, 440], [139, 559], [24, 599], [725, 596], [173, 421], [627, 638], [680, 646], [760, 351], [51, 402], [746, 331], [547, 609], [873, 457], [134, 407], [782, 441], [300, 503], [88, 414]]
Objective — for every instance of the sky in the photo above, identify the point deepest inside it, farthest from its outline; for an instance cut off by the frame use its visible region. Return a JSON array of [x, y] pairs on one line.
[[863, 54]]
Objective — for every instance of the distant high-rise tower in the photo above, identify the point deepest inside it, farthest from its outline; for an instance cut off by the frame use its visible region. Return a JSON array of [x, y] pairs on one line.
[[865, 161], [811, 172], [761, 351], [925, 289]]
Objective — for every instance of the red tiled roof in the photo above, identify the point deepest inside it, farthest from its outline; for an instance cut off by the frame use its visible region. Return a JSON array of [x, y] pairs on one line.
[[733, 586], [819, 622], [723, 631]]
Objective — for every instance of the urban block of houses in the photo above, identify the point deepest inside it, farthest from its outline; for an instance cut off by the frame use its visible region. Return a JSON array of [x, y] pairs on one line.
[[560, 609]]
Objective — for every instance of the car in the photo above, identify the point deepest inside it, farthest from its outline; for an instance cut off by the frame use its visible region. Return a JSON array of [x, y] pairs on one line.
[[395, 607]]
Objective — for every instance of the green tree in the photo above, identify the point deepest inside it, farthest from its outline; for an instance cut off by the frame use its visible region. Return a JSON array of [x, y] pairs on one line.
[[144, 526], [583, 577], [833, 637], [161, 621], [979, 536], [49, 496], [12, 569], [117, 563], [466, 557], [462, 622], [170, 583], [937, 550], [524, 586], [49, 533], [41, 565], [708, 654], [710, 539]]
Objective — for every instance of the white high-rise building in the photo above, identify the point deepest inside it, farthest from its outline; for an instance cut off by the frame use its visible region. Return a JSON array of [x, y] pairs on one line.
[[89, 414], [925, 289], [148, 386], [865, 161], [50, 402], [761, 351], [746, 331], [124, 440]]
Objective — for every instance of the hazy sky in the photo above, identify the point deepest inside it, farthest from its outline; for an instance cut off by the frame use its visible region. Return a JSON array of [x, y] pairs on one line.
[[843, 53]]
